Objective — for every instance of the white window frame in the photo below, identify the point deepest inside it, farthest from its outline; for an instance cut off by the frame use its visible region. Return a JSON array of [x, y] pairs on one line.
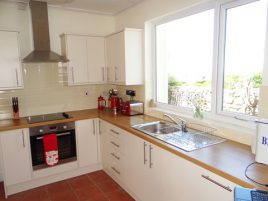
[[221, 57], [216, 114], [181, 14]]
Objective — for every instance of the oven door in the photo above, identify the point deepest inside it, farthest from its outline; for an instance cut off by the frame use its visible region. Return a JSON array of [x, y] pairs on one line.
[[66, 148]]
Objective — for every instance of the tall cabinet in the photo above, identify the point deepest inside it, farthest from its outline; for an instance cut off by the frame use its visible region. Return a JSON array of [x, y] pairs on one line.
[[10, 65], [124, 57]]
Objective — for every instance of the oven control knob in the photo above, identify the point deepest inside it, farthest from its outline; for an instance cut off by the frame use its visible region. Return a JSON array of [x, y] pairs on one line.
[[65, 127], [41, 131]]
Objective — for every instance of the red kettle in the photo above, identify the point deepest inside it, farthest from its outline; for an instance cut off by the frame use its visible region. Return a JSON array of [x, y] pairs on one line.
[[101, 103]]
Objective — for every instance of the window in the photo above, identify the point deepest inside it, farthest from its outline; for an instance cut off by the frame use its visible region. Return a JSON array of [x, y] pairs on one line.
[[244, 40], [184, 60], [212, 60]]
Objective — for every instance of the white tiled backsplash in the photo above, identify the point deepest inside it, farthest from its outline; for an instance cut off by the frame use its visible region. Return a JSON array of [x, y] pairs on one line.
[[46, 91]]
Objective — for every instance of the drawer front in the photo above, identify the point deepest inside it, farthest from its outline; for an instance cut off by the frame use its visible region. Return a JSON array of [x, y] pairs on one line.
[[114, 142], [116, 132], [115, 156], [116, 168]]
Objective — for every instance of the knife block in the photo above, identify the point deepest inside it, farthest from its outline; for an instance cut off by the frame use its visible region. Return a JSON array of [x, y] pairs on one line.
[[16, 115]]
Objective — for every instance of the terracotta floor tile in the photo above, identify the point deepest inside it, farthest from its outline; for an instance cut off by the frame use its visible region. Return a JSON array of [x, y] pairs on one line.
[[63, 196], [96, 186], [80, 182], [88, 192], [57, 187], [120, 195], [39, 194], [99, 176], [109, 186], [100, 197]]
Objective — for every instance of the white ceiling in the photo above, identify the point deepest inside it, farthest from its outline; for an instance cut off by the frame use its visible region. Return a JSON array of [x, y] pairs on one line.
[[109, 7]]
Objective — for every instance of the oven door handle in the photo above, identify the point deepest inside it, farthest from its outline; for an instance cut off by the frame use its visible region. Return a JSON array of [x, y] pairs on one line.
[[58, 135]]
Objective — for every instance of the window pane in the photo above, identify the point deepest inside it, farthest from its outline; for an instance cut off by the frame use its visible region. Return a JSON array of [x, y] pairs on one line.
[[184, 51], [244, 56]]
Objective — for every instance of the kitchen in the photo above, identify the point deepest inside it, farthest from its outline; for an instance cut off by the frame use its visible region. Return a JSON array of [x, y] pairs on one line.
[[46, 89]]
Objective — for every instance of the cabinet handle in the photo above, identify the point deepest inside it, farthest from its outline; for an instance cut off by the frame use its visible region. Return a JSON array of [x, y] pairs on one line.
[[217, 183], [103, 74], [116, 171], [17, 77], [115, 132], [115, 156], [115, 73], [150, 156], [99, 127], [23, 142], [93, 124], [72, 74], [107, 74], [144, 153], [113, 143]]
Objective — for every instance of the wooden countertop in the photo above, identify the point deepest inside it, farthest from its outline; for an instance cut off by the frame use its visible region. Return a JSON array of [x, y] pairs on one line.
[[228, 159]]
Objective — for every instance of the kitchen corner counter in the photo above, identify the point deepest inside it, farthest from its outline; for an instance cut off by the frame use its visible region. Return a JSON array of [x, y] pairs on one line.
[[228, 159]]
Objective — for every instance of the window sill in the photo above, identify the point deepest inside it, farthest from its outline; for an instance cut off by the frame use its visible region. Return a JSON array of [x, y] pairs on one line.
[[227, 127]]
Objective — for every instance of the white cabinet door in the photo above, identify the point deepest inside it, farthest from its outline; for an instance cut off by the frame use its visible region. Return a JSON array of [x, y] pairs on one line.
[[104, 151], [110, 51], [10, 65], [138, 176], [87, 144], [96, 59], [16, 162], [124, 57], [119, 57], [76, 52]]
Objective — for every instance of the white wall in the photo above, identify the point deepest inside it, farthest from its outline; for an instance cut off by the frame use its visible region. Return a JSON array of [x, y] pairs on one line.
[[67, 21], [60, 21], [136, 16]]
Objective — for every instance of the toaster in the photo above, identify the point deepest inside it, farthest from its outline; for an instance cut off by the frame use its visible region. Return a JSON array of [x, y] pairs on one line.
[[131, 108]]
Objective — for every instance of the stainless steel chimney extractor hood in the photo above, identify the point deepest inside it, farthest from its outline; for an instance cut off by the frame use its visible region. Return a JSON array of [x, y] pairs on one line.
[[41, 52]]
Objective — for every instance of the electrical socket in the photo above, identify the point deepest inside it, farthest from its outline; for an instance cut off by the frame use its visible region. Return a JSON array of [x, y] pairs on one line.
[[131, 92], [86, 93]]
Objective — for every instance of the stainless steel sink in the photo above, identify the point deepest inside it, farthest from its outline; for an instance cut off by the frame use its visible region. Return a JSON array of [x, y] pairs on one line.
[[157, 128], [171, 134]]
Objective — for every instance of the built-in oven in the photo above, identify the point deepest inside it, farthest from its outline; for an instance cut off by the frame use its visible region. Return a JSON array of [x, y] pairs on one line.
[[66, 143]]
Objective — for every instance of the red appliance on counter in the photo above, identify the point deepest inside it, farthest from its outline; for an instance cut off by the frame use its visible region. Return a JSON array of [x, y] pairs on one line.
[[115, 103], [101, 103], [132, 107]]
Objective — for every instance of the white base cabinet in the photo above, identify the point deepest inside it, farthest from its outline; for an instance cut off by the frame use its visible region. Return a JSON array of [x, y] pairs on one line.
[[87, 142], [16, 162], [151, 173]]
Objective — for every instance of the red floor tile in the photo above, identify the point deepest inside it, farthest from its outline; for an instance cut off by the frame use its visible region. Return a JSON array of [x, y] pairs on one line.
[[96, 186], [88, 192], [120, 195], [57, 187], [63, 196], [108, 186], [99, 176], [39, 194], [80, 182]]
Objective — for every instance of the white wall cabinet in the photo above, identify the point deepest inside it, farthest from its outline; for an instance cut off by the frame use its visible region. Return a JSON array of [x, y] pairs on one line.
[[10, 65], [87, 142], [124, 57], [87, 59], [16, 162]]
